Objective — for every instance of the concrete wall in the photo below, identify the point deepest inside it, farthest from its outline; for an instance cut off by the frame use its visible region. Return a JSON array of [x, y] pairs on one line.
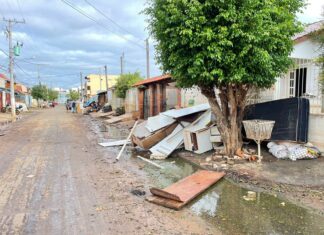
[[131, 100], [316, 130], [191, 97]]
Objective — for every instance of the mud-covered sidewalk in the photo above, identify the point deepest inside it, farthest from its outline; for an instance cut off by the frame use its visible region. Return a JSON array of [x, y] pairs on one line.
[[301, 182]]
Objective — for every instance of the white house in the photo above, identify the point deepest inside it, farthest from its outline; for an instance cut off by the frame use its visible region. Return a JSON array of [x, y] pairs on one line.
[[302, 80]]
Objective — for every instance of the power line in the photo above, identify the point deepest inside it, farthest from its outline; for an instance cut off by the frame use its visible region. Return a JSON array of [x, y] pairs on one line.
[[102, 25], [108, 18], [22, 14]]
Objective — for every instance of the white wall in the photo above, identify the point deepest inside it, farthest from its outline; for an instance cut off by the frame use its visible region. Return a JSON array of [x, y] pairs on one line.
[[316, 130], [192, 95], [306, 50]]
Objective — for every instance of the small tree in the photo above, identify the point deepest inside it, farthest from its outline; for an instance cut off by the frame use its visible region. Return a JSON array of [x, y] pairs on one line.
[[52, 95], [225, 48], [39, 92], [125, 82], [74, 95]]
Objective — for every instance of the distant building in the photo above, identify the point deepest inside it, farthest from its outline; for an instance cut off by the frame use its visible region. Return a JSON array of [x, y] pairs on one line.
[[97, 82], [62, 95]]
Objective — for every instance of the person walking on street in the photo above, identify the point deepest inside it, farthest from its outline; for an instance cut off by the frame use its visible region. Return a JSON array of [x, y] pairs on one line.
[[73, 107]]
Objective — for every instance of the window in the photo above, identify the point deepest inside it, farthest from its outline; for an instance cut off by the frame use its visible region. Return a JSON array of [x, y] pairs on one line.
[[300, 86]]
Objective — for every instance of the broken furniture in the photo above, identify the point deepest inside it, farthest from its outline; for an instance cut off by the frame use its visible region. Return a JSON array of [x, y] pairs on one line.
[[164, 133], [182, 192], [197, 135], [258, 130], [173, 141], [145, 139]]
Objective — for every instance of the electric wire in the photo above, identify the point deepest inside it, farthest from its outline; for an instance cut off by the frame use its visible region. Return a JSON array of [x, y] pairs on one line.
[[110, 19], [100, 24]]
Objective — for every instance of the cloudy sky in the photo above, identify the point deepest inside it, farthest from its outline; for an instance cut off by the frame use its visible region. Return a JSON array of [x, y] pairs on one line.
[[62, 42]]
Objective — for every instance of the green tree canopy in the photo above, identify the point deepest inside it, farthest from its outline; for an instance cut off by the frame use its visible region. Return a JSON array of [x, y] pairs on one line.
[[39, 92], [73, 95], [52, 95], [125, 82], [231, 45]]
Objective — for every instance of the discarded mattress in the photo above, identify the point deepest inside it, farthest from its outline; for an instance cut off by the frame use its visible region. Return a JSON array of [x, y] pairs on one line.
[[290, 115], [182, 192]]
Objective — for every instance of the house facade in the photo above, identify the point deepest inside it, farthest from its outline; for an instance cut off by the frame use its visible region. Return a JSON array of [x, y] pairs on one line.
[[302, 79], [97, 82], [156, 95]]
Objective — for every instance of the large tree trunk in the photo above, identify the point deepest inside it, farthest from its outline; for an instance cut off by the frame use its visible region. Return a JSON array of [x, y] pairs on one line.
[[229, 110]]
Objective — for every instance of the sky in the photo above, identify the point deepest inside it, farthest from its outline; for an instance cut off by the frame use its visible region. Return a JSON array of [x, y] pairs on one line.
[[60, 42]]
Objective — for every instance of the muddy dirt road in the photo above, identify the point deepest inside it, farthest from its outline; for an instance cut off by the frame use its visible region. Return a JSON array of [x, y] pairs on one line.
[[55, 180]]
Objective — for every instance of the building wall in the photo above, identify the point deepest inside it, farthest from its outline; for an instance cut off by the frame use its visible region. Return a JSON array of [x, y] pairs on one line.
[[316, 130], [97, 82], [303, 55], [131, 101], [191, 97], [306, 49], [62, 97], [2, 83]]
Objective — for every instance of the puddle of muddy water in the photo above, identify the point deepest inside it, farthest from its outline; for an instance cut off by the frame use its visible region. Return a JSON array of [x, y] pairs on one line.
[[224, 207]]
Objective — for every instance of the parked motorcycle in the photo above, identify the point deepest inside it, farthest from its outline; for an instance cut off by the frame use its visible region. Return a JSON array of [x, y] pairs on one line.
[[7, 109]]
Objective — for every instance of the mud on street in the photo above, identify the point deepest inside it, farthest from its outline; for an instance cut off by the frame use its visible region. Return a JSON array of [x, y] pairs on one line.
[[54, 179]]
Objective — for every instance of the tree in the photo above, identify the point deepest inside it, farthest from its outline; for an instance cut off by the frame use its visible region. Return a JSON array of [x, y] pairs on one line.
[[39, 92], [226, 48], [52, 95], [74, 95], [125, 82]]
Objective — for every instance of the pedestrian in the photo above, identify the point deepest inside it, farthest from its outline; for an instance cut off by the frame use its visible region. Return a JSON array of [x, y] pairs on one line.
[[73, 107]]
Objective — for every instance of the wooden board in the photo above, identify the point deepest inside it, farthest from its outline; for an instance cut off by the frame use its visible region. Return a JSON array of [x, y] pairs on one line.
[[101, 114], [121, 118], [182, 192]]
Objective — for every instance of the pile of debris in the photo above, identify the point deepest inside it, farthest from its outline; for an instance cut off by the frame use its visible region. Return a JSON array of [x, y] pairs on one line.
[[191, 127], [293, 151]]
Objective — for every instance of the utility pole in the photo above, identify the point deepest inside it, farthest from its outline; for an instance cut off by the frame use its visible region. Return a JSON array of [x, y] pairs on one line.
[[11, 64], [122, 64], [81, 93], [147, 58], [38, 76], [106, 75], [100, 78], [86, 89]]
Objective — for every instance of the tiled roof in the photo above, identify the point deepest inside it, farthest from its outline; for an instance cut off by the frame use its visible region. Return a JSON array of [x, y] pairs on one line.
[[153, 80], [3, 76], [313, 27]]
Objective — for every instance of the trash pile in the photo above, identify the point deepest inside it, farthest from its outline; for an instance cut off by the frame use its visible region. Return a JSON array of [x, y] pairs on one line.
[[293, 151], [191, 127]]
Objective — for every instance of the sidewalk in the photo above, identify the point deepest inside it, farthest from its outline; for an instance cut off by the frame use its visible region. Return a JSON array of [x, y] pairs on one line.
[[5, 118]]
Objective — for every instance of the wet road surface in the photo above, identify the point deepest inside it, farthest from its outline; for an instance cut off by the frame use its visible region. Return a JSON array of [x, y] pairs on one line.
[[54, 180]]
